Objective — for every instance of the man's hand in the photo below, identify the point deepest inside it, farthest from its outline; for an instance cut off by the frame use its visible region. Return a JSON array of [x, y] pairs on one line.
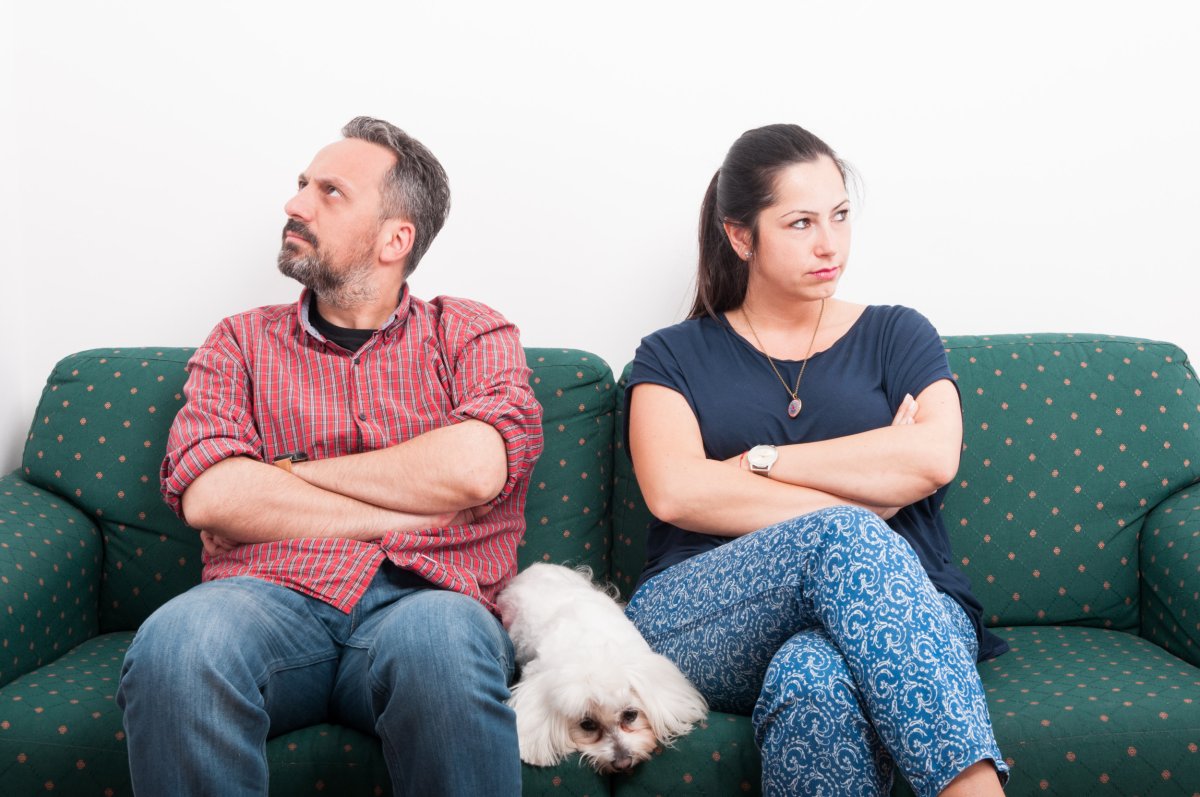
[[472, 514], [215, 544]]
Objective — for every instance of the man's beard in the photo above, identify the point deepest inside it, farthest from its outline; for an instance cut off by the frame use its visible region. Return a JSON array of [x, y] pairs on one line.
[[347, 287]]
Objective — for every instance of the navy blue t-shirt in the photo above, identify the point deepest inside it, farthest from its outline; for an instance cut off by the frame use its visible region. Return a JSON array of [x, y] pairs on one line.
[[855, 385]]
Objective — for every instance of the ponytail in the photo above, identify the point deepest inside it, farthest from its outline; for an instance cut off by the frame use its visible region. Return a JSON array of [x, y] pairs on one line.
[[722, 276]]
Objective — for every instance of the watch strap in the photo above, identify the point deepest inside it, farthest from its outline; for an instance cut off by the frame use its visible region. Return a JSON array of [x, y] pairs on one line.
[[285, 461]]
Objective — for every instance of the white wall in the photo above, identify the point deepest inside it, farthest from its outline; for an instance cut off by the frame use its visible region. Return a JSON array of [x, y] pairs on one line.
[[1028, 166]]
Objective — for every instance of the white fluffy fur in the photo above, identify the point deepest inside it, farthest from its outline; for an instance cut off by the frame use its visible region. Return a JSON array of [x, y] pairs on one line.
[[589, 682]]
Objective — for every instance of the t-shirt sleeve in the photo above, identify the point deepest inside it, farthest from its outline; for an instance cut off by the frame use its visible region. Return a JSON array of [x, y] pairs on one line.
[[656, 364], [913, 355]]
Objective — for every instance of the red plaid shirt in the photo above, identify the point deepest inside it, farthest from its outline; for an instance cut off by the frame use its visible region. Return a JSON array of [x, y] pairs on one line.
[[266, 383]]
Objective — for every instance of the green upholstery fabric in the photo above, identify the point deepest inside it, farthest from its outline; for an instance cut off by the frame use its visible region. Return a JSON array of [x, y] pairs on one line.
[[1170, 561], [567, 512], [1071, 513], [331, 759], [97, 440], [60, 728], [50, 572], [1092, 711], [717, 758], [1069, 441], [631, 516], [327, 759]]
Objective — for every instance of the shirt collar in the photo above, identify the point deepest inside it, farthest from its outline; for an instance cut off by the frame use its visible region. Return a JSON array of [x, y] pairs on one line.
[[394, 322]]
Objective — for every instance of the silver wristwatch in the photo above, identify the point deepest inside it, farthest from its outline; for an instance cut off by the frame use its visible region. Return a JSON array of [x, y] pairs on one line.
[[762, 458]]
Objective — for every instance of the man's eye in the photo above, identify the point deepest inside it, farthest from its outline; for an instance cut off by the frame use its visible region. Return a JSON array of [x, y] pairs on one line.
[[331, 191]]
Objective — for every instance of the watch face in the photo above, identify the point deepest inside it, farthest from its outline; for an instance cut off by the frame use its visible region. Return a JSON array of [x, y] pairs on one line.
[[762, 456]]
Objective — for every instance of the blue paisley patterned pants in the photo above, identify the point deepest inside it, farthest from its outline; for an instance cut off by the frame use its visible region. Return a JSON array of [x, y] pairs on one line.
[[826, 629]]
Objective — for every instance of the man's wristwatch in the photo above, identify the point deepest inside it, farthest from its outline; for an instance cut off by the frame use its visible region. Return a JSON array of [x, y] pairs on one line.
[[762, 459], [285, 461]]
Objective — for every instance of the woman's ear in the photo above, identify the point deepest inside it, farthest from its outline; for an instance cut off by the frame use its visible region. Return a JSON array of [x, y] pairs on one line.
[[739, 236]]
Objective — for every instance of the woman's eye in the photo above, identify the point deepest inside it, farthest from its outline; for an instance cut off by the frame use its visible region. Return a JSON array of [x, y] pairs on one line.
[[801, 224], [842, 215]]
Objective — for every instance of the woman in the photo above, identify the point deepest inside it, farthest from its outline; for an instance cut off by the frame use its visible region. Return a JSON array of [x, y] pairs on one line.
[[773, 433]]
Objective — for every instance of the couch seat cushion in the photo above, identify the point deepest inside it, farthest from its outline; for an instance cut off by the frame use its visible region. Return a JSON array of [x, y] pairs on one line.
[[332, 759], [718, 758], [1091, 711]]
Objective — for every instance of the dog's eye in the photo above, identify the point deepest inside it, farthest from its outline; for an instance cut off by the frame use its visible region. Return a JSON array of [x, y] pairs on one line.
[[629, 715], [588, 724]]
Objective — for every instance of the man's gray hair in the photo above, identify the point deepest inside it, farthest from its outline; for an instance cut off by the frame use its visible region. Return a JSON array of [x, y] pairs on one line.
[[415, 189]]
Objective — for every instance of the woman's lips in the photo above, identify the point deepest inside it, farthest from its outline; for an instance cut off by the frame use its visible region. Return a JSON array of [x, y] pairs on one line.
[[826, 273]]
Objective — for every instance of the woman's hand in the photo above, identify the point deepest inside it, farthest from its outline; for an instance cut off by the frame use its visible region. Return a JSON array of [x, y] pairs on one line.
[[907, 413]]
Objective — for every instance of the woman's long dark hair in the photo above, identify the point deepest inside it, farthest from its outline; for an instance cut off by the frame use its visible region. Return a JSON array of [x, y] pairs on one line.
[[741, 188]]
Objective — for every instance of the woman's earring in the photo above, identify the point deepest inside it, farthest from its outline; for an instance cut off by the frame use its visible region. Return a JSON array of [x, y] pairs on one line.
[[747, 254]]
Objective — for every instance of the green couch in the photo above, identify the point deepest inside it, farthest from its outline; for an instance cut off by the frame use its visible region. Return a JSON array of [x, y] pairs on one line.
[[1075, 512]]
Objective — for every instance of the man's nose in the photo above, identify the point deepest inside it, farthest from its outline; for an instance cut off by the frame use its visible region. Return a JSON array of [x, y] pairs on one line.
[[299, 206]]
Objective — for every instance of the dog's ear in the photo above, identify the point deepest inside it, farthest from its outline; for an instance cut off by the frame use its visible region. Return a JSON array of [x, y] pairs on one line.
[[671, 703], [542, 731]]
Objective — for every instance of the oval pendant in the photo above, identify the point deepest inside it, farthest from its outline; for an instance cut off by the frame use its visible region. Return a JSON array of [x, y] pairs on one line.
[[794, 408]]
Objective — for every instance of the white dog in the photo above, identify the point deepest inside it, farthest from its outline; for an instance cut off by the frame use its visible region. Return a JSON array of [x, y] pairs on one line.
[[589, 682]]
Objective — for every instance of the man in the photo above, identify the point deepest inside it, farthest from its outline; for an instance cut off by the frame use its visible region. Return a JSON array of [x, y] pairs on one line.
[[358, 464]]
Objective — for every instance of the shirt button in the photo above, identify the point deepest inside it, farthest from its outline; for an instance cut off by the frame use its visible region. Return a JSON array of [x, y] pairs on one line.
[[362, 416]]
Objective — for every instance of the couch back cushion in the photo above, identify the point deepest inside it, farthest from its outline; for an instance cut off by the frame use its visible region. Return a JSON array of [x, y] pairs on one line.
[[101, 429], [1069, 441], [631, 516], [567, 514], [97, 440]]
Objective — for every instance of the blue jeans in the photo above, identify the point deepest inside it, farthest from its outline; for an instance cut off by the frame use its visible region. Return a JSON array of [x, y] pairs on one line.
[[216, 671], [828, 632]]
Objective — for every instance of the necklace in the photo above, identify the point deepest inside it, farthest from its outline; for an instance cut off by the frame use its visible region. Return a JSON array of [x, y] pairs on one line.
[[795, 405]]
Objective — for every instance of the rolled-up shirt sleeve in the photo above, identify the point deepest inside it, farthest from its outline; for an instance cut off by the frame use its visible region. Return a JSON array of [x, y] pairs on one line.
[[491, 384], [216, 421]]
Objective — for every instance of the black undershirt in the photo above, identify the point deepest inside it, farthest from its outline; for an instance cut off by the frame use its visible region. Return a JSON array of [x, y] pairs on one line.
[[348, 339]]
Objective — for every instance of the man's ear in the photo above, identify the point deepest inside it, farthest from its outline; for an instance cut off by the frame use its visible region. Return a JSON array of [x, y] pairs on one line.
[[739, 236], [398, 237]]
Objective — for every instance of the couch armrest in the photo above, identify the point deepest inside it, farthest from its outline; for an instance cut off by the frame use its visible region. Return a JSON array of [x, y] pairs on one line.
[[1170, 573], [50, 556]]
